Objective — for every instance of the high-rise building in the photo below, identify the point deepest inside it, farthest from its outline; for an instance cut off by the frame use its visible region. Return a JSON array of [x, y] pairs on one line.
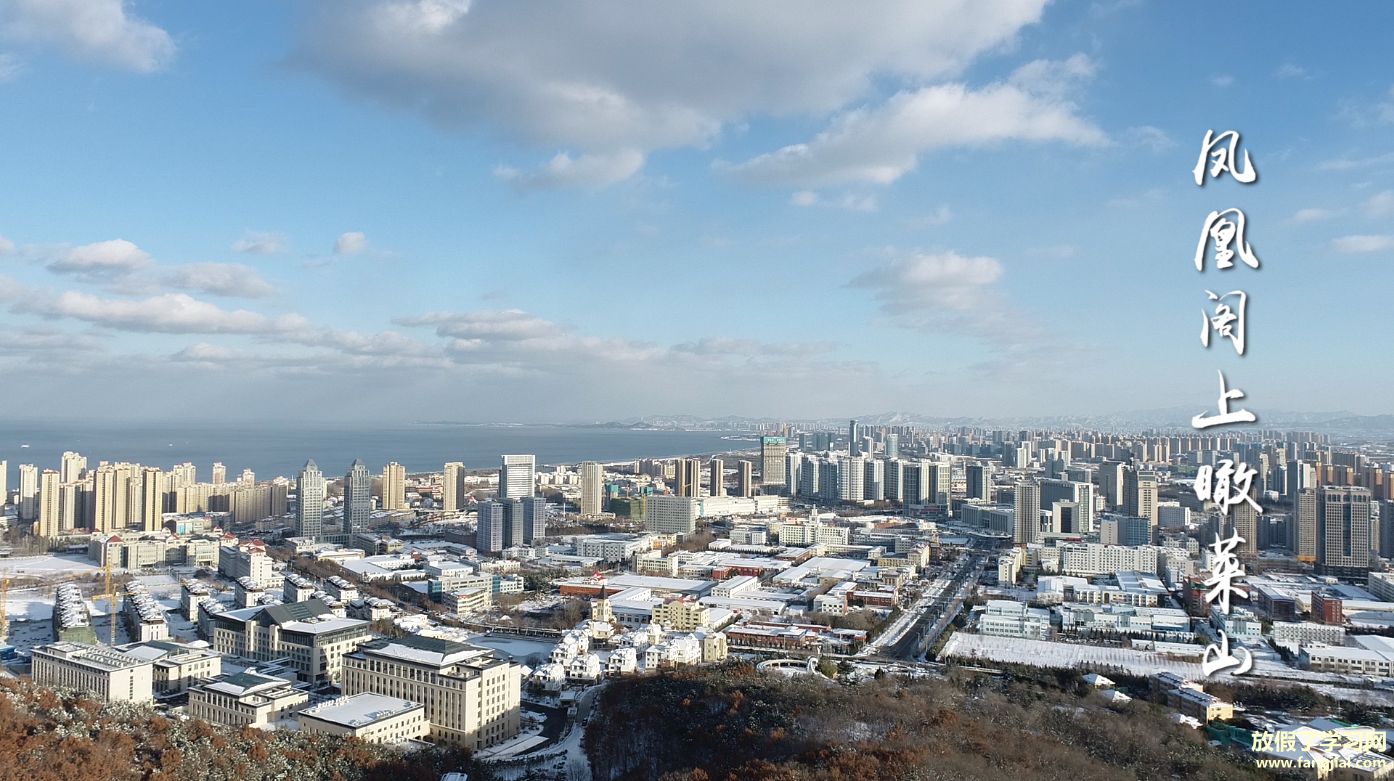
[[1244, 521], [219, 473], [716, 477], [152, 492], [512, 522], [854, 438], [1140, 494], [772, 452], [687, 476], [1027, 512], [49, 523], [1302, 527], [979, 479], [110, 498], [1082, 494], [358, 497], [309, 511], [745, 479], [914, 482], [28, 499], [892, 446], [452, 487], [592, 489], [671, 514], [4, 483], [939, 477], [394, 487], [808, 477], [488, 536], [851, 477], [1345, 533], [73, 465], [534, 518], [1111, 483], [874, 480], [895, 480], [518, 477]]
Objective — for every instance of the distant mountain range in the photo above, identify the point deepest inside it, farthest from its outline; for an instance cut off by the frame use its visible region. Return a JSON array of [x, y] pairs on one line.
[[1340, 424]]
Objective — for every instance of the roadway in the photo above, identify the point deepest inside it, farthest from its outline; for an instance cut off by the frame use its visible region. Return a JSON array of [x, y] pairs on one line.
[[927, 619]]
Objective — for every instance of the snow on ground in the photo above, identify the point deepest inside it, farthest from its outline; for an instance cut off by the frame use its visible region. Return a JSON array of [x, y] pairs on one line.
[[1040, 653], [29, 604], [47, 566], [519, 648]]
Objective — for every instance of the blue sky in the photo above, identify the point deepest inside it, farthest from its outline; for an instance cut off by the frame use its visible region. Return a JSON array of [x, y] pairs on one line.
[[558, 212]]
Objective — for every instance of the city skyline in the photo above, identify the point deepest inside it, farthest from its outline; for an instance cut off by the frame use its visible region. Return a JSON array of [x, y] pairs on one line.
[[937, 209]]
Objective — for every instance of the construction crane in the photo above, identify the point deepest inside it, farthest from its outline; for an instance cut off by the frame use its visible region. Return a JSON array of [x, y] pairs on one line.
[[111, 597]]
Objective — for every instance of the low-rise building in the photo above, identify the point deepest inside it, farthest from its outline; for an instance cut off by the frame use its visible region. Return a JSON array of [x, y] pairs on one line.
[[177, 666], [472, 698], [1298, 633], [1008, 618], [245, 699], [97, 671], [375, 718], [306, 632]]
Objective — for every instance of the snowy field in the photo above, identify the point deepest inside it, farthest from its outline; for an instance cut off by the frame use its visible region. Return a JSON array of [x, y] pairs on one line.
[[1040, 653], [47, 566]]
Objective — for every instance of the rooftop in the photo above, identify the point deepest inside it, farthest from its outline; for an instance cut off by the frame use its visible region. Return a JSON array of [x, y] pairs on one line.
[[360, 710]]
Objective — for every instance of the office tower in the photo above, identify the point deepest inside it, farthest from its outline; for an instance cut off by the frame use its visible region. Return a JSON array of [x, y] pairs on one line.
[[874, 480], [914, 482], [716, 477], [1111, 483], [592, 489], [1244, 520], [28, 493], [938, 476], [892, 446], [1140, 494], [979, 479], [793, 466], [745, 479], [309, 511], [1082, 494], [518, 477], [534, 518], [772, 452], [358, 497], [49, 523], [488, 536], [219, 473], [1064, 517], [854, 438], [512, 522], [1344, 534], [73, 465], [1302, 528], [687, 476], [851, 476], [394, 487], [895, 480], [452, 487], [808, 477], [1027, 512]]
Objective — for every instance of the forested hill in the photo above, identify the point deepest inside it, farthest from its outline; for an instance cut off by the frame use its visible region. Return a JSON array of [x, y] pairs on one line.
[[734, 723], [48, 736]]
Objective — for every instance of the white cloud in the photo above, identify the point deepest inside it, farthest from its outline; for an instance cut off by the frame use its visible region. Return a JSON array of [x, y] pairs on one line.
[[1289, 71], [350, 243], [849, 201], [940, 216], [1348, 164], [174, 313], [10, 66], [1353, 244], [1312, 215], [1222, 81], [587, 170], [257, 243], [1381, 204], [104, 260], [94, 30], [221, 279], [879, 145], [1151, 138], [916, 283], [6, 246], [603, 79]]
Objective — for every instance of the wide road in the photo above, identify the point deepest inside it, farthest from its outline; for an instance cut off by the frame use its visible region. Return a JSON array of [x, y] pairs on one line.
[[940, 604]]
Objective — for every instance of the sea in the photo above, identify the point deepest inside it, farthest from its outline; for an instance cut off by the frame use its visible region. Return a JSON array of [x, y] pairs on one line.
[[272, 450]]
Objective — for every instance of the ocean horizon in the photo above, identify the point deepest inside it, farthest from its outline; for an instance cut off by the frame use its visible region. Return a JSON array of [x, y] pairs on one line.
[[273, 450]]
